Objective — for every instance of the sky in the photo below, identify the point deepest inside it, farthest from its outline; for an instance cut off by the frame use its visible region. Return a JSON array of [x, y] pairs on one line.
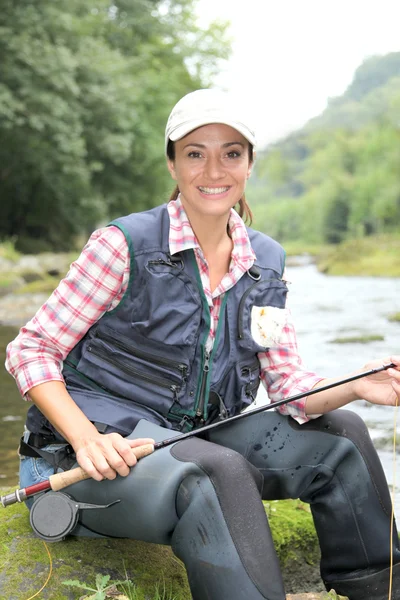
[[289, 56]]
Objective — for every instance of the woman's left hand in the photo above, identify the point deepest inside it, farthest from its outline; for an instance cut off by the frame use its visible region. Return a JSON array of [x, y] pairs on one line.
[[383, 387]]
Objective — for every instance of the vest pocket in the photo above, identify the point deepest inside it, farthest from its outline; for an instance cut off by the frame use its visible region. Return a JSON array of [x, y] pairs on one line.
[[240, 385], [268, 294], [251, 375], [121, 368]]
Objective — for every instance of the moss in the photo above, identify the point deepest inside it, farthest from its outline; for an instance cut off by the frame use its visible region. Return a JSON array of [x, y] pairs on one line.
[[24, 562], [292, 529], [296, 543], [78, 558], [9, 279], [44, 285], [395, 317], [358, 339]]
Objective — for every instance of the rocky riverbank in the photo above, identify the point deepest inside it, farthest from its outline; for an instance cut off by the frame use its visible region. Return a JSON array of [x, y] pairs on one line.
[[26, 282]]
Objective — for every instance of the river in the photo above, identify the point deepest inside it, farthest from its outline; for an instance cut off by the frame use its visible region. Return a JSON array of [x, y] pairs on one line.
[[324, 308]]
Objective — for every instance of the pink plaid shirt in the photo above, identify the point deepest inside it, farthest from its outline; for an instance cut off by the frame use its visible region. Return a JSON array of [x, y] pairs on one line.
[[95, 284]]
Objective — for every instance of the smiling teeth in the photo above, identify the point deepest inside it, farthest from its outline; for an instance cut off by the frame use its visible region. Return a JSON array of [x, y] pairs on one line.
[[207, 190]]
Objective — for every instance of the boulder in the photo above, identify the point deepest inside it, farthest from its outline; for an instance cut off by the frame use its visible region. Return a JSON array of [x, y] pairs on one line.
[[27, 564]]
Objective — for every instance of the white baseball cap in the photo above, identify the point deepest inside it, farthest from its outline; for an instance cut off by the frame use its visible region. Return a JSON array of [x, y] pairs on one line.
[[204, 107]]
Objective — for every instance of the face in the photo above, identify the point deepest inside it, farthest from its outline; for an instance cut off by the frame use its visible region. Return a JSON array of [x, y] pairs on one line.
[[211, 167]]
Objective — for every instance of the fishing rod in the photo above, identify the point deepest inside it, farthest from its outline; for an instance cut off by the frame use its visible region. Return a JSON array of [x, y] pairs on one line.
[[61, 480]]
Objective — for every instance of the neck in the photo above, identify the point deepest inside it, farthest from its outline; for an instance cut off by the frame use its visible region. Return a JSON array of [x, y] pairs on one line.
[[210, 233]]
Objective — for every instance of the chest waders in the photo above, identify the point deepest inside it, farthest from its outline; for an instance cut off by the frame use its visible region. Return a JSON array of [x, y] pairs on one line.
[[203, 498]]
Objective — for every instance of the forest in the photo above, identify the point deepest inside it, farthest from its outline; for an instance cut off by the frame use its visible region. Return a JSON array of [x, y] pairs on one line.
[[338, 177], [85, 91], [86, 88]]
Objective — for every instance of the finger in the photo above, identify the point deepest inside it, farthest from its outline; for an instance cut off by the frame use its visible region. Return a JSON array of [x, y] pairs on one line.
[[140, 442], [125, 450], [87, 465], [116, 460], [395, 360], [394, 373]]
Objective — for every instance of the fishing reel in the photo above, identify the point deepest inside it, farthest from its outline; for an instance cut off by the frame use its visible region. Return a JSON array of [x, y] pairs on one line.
[[55, 514]]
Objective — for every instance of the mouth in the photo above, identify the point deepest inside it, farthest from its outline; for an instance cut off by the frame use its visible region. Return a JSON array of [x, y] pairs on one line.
[[213, 191]]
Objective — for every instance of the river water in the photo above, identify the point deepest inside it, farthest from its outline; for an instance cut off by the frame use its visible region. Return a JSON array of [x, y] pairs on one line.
[[324, 308]]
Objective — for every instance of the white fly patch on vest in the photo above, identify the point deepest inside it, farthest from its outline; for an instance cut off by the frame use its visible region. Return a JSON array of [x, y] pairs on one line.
[[267, 323]]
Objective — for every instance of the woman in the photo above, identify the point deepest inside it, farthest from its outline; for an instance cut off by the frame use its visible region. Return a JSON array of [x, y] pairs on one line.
[[170, 319]]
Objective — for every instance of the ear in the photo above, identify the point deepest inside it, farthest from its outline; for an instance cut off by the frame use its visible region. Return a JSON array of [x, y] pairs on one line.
[[171, 168], [249, 170]]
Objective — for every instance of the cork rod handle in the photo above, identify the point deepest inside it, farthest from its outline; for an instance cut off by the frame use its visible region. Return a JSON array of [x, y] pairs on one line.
[[62, 480]]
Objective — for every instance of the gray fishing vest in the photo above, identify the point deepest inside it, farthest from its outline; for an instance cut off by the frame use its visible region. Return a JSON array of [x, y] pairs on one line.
[[147, 357]]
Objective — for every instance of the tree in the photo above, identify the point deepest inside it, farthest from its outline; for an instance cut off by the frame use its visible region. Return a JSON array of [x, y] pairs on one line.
[[84, 95]]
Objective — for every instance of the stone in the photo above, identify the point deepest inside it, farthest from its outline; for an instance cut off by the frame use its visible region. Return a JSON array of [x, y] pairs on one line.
[[332, 595], [27, 564]]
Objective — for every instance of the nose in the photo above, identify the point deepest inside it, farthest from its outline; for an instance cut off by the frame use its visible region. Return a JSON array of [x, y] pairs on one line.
[[214, 168]]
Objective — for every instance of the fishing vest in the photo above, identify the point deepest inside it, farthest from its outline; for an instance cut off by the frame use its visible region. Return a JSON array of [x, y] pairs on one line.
[[147, 358]]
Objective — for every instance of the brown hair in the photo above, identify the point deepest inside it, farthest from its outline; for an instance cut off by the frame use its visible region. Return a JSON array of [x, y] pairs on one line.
[[243, 208]]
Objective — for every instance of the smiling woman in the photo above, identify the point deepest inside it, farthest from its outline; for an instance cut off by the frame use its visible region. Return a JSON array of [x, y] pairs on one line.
[[169, 320]]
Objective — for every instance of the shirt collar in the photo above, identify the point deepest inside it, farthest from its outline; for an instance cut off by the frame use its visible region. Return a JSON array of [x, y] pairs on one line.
[[182, 237]]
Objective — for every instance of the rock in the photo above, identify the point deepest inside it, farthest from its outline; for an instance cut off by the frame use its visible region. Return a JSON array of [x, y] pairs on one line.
[[19, 296], [26, 562], [16, 310], [322, 596], [149, 566]]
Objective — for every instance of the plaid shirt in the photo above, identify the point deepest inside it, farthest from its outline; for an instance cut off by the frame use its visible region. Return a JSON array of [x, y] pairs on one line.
[[95, 284]]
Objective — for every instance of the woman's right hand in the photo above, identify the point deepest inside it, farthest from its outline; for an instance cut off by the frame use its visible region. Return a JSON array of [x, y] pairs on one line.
[[104, 456]]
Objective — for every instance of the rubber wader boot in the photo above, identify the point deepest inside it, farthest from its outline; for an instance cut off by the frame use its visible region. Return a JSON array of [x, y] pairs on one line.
[[369, 587]]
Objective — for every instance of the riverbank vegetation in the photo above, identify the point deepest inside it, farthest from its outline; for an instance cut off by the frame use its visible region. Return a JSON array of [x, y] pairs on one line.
[[84, 96], [336, 181], [85, 91], [153, 569]]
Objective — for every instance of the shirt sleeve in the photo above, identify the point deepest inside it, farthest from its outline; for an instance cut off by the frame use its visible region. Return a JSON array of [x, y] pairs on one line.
[[94, 284], [283, 374]]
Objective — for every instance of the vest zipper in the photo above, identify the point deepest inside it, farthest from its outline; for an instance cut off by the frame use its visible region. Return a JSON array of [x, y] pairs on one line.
[[175, 389], [159, 360], [206, 369], [207, 365], [251, 388], [166, 263]]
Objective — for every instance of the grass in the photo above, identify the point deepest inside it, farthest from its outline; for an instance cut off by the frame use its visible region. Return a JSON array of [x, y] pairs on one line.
[[122, 590], [395, 317], [125, 589]]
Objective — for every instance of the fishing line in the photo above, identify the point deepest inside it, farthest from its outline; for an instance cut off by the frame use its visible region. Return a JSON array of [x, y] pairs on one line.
[[48, 576], [393, 494]]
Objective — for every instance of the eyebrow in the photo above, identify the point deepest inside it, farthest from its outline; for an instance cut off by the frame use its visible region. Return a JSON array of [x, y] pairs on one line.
[[226, 145]]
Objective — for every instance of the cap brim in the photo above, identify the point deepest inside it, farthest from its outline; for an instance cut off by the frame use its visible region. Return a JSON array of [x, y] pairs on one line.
[[179, 132]]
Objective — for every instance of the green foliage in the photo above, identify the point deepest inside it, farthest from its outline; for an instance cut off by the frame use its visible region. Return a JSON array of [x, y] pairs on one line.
[[376, 256], [84, 95], [101, 589], [338, 178], [394, 318]]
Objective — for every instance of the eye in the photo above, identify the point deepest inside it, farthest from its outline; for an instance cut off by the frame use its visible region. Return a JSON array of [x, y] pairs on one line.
[[194, 154], [234, 154]]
